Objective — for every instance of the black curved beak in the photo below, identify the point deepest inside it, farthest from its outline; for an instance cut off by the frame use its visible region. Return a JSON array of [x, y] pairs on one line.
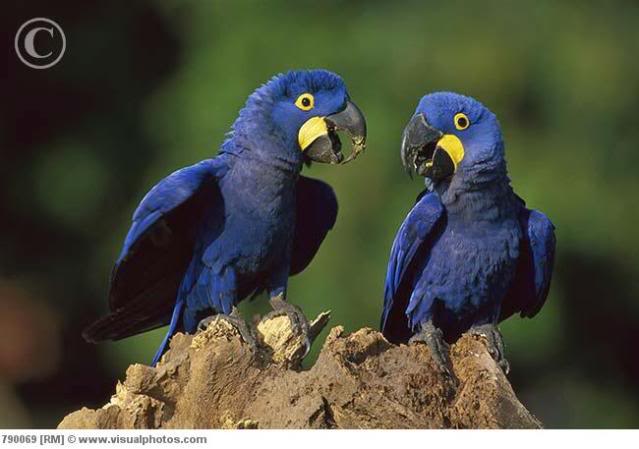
[[421, 153], [353, 122], [327, 147]]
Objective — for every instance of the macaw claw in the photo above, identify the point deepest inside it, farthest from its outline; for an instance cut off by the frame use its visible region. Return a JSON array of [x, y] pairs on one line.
[[495, 343], [299, 323], [236, 321], [433, 337]]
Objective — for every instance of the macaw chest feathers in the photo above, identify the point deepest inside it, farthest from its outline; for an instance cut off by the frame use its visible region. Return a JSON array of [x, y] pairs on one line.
[[466, 270]]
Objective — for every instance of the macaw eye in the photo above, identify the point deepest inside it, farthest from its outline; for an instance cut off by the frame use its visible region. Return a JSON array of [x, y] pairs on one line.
[[305, 102], [461, 121]]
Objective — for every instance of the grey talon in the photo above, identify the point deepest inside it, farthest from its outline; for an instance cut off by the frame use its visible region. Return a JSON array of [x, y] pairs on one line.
[[433, 337], [236, 321], [299, 323], [495, 344]]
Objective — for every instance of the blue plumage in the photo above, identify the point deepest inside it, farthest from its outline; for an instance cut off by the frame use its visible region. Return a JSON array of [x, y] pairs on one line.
[[469, 253], [211, 234]]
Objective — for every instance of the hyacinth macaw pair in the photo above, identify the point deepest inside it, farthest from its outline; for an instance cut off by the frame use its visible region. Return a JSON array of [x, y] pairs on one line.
[[468, 255]]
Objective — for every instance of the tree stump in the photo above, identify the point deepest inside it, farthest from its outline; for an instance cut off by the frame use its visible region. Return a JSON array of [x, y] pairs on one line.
[[215, 379]]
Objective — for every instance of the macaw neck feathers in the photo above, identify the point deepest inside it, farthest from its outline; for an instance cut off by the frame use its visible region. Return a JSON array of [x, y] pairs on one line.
[[264, 161], [254, 137], [487, 201]]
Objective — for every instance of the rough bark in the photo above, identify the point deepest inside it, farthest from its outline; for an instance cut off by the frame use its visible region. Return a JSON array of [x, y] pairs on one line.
[[215, 379]]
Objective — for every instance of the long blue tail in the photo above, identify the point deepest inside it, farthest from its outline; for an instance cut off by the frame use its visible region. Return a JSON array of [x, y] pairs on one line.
[[177, 313]]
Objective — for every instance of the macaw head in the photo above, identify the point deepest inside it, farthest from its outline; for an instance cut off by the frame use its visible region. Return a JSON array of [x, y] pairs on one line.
[[296, 116], [450, 134]]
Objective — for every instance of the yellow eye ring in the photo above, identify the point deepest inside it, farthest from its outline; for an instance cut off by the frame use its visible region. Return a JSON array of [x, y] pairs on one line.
[[305, 102], [461, 121]]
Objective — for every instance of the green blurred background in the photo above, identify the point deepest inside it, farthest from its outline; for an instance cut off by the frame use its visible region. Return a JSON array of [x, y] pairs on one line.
[[147, 87]]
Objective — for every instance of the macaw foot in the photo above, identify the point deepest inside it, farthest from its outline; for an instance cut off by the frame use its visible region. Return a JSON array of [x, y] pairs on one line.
[[495, 343], [299, 323], [236, 321], [433, 337]]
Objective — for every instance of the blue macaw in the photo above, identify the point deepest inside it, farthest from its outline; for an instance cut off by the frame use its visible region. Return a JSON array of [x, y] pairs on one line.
[[469, 254], [209, 235]]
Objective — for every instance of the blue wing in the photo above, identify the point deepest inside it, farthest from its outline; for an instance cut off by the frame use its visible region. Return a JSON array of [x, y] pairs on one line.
[[530, 287], [413, 238], [316, 212], [157, 251]]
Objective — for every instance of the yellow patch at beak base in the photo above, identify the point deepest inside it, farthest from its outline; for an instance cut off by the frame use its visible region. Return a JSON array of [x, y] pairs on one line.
[[311, 130], [453, 146]]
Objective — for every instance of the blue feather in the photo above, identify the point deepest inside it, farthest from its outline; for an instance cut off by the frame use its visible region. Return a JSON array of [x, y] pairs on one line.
[[414, 232]]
